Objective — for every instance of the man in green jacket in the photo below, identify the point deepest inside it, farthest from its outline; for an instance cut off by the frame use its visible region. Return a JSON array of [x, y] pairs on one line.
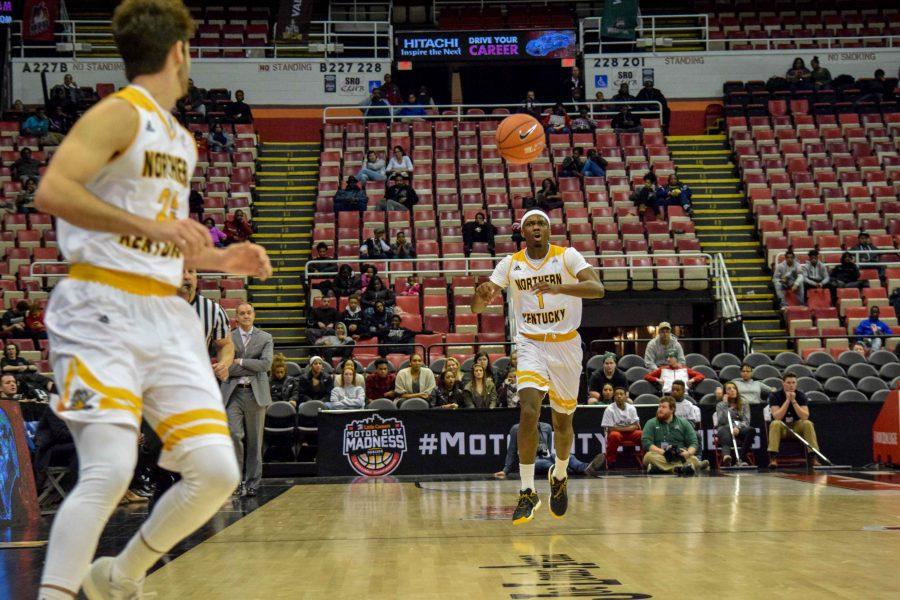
[[666, 432]]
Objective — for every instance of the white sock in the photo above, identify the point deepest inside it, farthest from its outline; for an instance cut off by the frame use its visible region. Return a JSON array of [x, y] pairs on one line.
[[209, 475], [53, 594], [526, 473], [560, 471]]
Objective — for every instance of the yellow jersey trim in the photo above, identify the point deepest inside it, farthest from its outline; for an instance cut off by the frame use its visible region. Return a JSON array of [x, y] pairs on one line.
[[521, 256], [139, 99], [113, 398], [140, 285], [184, 433]]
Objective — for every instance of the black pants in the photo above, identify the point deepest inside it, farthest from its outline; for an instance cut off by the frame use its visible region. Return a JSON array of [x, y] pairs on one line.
[[746, 436]]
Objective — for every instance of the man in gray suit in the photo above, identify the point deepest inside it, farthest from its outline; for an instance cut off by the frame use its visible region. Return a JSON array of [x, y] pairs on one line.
[[246, 395]]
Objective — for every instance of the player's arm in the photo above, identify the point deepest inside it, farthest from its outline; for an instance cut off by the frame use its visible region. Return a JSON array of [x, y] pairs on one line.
[[224, 356], [236, 259], [98, 137], [588, 286], [484, 295]]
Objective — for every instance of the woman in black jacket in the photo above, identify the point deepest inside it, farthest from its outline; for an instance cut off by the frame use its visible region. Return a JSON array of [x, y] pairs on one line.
[[448, 393], [344, 283], [377, 321], [282, 386], [376, 292], [315, 384], [396, 339]]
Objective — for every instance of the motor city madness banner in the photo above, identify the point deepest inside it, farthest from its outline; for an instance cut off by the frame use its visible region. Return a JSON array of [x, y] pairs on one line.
[[431, 442]]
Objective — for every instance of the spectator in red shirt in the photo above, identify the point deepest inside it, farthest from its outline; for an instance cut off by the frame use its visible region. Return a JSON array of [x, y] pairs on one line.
[[390, 91], [237, 229], [380, 384], [668, 374], [34, 322]]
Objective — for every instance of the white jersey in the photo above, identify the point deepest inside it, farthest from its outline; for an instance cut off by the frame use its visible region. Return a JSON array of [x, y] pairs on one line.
[[151, 179], [539, 314]]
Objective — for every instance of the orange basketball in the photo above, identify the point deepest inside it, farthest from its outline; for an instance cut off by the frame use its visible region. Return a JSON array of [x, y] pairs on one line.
[[520, 138]]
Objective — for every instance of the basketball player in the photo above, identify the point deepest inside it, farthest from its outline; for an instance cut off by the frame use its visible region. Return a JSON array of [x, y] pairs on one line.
[[123, 345], [545, 285]]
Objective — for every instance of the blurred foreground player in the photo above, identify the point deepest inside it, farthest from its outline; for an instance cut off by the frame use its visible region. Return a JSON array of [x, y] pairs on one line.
[[123, 345], [545, 284]]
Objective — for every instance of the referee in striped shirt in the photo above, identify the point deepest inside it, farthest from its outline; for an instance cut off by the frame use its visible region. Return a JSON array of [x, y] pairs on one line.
[[216, 328]]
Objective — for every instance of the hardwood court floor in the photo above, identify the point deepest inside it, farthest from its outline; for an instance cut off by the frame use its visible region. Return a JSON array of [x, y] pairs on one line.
[[740, 536]]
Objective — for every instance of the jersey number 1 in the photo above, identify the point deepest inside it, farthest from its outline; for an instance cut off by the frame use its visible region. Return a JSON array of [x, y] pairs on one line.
[[540, 296]]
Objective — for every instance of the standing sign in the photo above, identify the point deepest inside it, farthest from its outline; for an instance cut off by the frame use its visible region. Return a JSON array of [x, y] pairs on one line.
[[488, 45]]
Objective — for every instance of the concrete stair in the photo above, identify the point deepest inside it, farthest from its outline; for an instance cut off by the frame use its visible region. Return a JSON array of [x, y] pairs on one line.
[[725, 225]]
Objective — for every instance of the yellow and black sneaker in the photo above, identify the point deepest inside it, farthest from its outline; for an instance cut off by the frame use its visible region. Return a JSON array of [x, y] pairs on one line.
[[559, 495], [529, 502]]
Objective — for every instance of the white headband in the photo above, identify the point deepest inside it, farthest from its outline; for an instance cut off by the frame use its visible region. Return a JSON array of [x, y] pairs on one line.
[[532, 213]]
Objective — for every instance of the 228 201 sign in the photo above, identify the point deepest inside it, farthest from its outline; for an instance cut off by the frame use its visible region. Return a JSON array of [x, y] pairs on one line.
[[349, 67]]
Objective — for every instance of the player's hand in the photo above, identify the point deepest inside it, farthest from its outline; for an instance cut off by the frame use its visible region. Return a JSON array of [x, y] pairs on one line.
[[221, 371], [545, 288], [499, 475], [486, 292], [685, 454], [187, 234], [247, 259], [735, 431]]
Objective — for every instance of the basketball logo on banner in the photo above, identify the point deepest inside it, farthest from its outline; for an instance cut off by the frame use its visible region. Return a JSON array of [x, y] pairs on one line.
[[374, 446]]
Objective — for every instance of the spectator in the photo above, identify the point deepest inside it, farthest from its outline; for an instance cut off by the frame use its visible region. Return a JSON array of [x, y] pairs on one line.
[[625, 122], [315, 383], [412, 109], [368, 274], [751, 391], [377, 109], [380, 383], [451, 364], [583, 122], [219, 140], [573, 82], [605, 396], [508, 390], [195, 204], [546, 456], [415, 381], [478, 231], [13, 320], [684, 406], [38, 125], [649, 93], [610, 374], [337, 343], [400, 196], [347, 395], [646, 198], [482, 358], [59, 122], [9, 388], [344, 283], [740, 428], [238, 111], [666, 375], [424, 97], [321, 321], [193, 100], [623, 95], [677, 193], [25, 198], [352, 198], [621, 425], [788, 276], [873, 331], [377, 292], [324, 262], [670, 443], [864, 250], [815, 275], [396, 339], [558, 120], [447, 394], [72, 91], [32, 383], [283, 387], [17, 107], [789, 408], [376, 248], [25, 167], [480, 391], [860, 349], [377, 321], [217, 236], [372, 168], [594, 165], [876, 90], [391, 91], [798, 75], [572, 165], [353, 317], [820, 76], [400, 163], [657, 352], [34, 322], [412, 287], [237, 229], [500, 374], [358, 378], [402, 249], [529, 105], [548, 197], [846, 274]]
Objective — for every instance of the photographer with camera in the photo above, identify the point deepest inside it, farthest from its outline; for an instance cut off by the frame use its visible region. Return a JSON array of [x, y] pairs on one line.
[[670, 443]]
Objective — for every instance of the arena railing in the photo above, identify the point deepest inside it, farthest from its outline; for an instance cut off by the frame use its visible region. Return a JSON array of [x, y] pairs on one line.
[[459, 112], [352, 10], [36, 267], [779, 257], [309, 350], [729, 307], [890, 342], [627, 344], [325, 39]]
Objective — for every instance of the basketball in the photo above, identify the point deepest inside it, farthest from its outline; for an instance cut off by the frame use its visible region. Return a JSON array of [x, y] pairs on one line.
[[520, 138]]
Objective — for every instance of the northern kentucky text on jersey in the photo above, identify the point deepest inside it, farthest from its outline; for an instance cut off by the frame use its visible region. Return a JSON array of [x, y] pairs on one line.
[[544, 318], [165, 166], [529, 282], [148, 246]]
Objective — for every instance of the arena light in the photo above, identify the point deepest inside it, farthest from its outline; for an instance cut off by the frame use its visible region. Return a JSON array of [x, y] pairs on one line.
[[568, 62], [404, 65]]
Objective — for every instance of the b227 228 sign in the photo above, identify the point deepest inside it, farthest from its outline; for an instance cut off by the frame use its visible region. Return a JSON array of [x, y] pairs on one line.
[[486, 45]]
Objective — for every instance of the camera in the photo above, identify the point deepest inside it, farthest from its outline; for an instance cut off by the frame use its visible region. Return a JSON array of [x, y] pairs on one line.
[[671, 454]]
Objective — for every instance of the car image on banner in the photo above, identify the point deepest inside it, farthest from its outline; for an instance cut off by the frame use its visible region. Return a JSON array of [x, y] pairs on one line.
[[553, 44]]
